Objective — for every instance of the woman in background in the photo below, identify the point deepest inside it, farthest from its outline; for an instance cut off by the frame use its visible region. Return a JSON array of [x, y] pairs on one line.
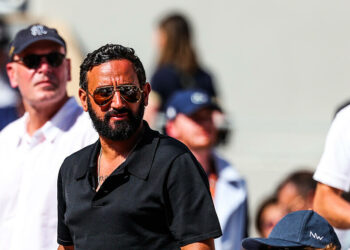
[[177, 67]]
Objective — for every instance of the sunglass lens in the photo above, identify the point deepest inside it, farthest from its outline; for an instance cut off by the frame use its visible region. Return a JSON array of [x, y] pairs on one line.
[[130, 93], [32, 61], [103, 95], [55, 59]]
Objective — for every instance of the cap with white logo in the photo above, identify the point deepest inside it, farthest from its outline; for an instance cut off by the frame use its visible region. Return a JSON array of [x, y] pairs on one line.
[[188, 102], [32, 34], [303, 228]]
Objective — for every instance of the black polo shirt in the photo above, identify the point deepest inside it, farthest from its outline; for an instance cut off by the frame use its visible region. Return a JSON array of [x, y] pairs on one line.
[[157, 199]]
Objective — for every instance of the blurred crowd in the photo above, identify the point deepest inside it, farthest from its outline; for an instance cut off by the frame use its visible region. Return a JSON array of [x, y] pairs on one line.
[[184, 103]]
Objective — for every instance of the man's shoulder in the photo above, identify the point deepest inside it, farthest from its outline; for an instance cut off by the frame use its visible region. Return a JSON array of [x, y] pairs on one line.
[[343, 114], [340, 125], [69, 115], [83, 152], [14, 128], [79, 125], [78, 159], [163, 148], [171, 145]]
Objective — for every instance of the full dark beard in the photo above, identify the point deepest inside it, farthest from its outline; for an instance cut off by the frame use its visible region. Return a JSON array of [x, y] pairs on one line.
[[122, 129]]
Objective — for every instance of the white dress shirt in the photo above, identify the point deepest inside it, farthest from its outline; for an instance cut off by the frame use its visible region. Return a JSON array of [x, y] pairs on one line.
[[28, 180]]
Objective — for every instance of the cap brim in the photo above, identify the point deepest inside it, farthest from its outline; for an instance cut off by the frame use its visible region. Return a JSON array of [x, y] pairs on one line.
[[30, 42], [258, 243], [197, 108]]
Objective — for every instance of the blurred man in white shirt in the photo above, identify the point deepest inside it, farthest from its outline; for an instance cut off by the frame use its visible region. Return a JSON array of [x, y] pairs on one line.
[[33, 147]]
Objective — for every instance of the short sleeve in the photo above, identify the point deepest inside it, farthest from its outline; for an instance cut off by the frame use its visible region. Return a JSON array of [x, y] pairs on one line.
[[334, 166], [63, 235], [194, 218]]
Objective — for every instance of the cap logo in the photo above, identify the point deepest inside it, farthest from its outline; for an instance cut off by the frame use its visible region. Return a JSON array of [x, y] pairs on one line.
[[199, 98], [38, 30], [315, 236], [171, 113]]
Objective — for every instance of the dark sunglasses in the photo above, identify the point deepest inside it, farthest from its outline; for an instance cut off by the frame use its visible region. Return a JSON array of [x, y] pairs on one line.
[[32, 61], [129, 93]]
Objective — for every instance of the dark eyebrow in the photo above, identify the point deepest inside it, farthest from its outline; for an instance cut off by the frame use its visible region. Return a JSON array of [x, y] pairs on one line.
[[104, 87]]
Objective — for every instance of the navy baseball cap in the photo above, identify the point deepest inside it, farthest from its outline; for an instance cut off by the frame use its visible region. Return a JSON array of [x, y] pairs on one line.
[[303, 228], [32, 34], [188, 102]]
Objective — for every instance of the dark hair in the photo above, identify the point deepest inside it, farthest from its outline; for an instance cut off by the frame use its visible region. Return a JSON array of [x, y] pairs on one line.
[[302, 180], [178, 49], [265, 203], [107, 53]]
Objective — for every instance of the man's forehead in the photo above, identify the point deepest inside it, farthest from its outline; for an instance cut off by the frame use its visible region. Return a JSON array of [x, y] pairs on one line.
[[114, 68], [115, 65]]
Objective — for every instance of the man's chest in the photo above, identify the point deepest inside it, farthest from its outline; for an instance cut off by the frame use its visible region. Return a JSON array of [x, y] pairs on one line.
[[123, 199]]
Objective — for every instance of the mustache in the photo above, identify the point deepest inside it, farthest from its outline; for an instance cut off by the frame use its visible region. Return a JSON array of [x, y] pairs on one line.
[[115, 112]]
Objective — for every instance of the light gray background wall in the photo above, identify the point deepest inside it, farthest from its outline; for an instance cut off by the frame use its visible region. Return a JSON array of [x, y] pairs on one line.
[[282, 67]]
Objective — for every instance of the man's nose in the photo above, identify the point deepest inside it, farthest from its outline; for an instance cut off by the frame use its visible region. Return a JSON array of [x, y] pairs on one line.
[[44, 65], [117, 101]]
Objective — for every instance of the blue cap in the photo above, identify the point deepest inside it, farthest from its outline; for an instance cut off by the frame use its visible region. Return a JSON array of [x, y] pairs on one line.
[[298, 229], [188, 102], [32, 34]]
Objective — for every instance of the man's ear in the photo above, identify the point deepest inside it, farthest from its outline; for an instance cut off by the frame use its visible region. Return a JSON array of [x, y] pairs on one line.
[[83, 99], [12, 75], [146, 91]]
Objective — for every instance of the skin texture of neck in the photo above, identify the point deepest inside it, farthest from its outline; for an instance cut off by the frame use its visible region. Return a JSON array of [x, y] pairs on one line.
[[39, 115]]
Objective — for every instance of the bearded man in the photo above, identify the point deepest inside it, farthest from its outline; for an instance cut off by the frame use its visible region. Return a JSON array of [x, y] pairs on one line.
[[134, 188]]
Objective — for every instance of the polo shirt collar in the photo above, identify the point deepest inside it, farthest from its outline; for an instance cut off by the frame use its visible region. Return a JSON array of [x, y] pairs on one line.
[[87, 161], [138, 163], [59, 122], [21, 129]]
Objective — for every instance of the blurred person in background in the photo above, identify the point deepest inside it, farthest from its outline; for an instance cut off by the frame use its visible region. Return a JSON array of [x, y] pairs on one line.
[[177, 68], [333, 177], [303, 229], [297, 191], [33, 147], [270, 212], [190, 120], [10, 104]]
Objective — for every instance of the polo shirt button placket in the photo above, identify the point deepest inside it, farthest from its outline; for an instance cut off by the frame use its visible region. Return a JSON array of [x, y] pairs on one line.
[[98, 203]]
